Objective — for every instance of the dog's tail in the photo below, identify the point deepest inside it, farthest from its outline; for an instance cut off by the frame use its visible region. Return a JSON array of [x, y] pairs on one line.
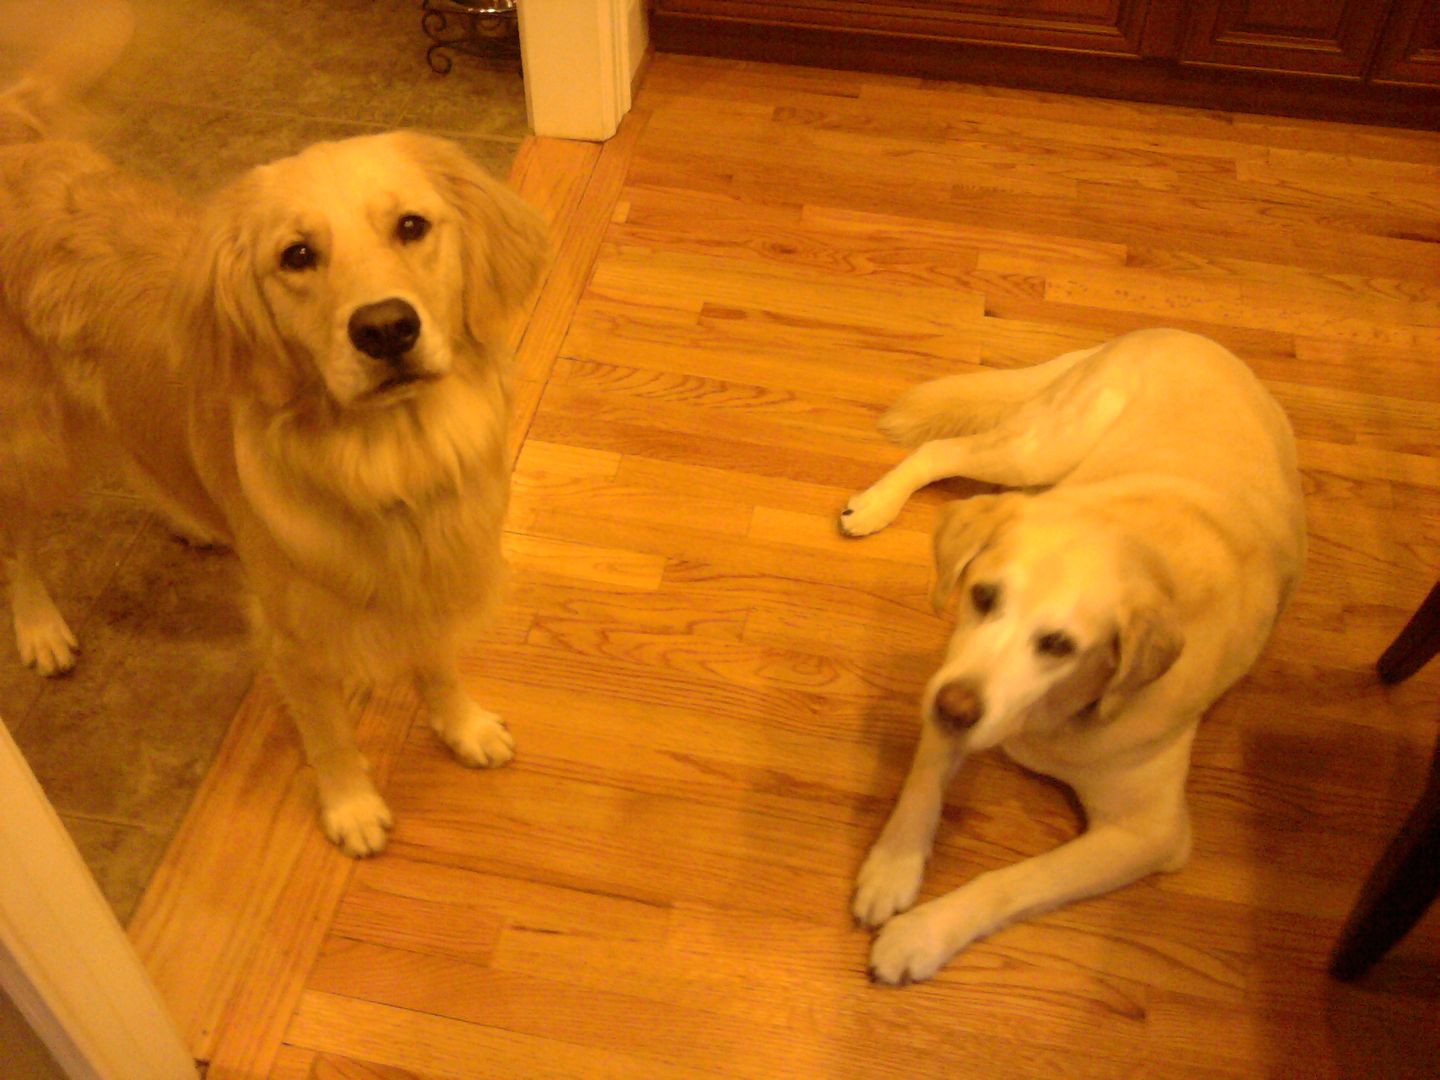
[[971, 403], [44, 100]]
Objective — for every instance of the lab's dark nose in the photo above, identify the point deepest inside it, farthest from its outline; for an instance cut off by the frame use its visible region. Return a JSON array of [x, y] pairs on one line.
[[958, 706], [385, 330]]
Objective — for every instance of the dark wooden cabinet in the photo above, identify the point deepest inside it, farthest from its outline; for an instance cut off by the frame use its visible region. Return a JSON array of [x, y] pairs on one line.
[[1371, 60], [1104, 26], [1409, 54], [1321, 37]]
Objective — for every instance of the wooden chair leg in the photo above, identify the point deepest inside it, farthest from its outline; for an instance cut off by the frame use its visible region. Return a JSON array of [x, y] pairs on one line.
[[1405, 881], [1399, 889], [1417, 643]]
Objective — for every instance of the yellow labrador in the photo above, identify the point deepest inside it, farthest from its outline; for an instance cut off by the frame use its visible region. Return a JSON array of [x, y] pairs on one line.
[[310, 368], [1101, 613]]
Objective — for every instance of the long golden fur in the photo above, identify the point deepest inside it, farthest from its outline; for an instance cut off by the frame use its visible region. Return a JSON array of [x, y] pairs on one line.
[[221, 351]]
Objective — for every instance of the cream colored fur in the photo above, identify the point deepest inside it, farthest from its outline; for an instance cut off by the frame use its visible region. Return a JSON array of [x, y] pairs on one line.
[[366, 509], [1159, 534]]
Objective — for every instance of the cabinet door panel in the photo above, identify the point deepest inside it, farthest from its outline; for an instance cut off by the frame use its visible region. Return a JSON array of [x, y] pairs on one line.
[[1321, 37], [1410, 49], [1097, 26]]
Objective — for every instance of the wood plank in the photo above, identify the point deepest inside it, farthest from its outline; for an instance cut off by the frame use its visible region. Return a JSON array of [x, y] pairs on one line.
[[589, 203], [293, 1063], [212, 947], [258, 1012], [195, 931], [446, 1047]]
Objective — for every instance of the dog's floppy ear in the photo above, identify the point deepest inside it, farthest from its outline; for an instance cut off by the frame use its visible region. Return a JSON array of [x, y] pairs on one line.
[[224, 331], [962, 531], [505, 242], [1148, 641]]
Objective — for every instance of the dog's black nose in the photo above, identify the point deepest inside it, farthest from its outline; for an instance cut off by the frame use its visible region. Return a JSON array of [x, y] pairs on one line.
[[385, 330], [958, 706]]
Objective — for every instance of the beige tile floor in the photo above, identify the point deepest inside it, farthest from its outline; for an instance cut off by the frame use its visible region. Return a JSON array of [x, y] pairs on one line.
[[206, 90]]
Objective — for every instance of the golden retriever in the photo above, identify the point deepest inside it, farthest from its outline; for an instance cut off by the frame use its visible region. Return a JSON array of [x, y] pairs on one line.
[[309, 368], [1103, 608]]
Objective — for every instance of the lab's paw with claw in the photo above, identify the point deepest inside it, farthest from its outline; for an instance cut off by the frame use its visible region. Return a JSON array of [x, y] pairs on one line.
[[912, 947], [870, 511], [887, 884]]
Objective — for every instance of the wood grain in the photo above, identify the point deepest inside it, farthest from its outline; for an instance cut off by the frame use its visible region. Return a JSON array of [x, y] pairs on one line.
[[589, 182], [713, 694]]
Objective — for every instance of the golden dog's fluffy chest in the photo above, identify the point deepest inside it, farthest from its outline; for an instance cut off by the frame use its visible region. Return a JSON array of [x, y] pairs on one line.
[[396, 514]]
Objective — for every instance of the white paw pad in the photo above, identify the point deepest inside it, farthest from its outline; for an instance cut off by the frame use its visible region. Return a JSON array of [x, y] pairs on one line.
[[887, 884], [478, 737]]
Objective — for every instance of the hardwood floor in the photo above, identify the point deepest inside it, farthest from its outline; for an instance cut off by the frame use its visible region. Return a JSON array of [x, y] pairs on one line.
[[714, 694]]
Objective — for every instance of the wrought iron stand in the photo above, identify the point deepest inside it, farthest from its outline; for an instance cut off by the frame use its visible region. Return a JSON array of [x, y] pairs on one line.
[[487, 29]]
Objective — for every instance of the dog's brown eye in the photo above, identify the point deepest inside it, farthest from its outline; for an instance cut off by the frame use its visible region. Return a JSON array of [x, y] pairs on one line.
[[984, 596], [1055, 644], [411, 227], [298, 257]]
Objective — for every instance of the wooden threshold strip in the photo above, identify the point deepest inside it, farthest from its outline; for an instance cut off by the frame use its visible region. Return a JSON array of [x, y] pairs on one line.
[[234, 917], [577, 243]]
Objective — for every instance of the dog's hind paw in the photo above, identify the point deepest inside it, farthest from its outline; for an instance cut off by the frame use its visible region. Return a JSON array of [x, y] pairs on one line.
[[477, 736], [45, 642]]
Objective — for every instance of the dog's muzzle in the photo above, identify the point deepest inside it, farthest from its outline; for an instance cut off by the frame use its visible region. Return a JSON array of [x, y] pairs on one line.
[[958, 706], [385, 330]]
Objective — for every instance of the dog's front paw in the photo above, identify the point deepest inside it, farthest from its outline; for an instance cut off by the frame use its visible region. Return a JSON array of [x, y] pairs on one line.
[[477, 736], [912, 947], [870, 511], [888, 883], [357, 821], [45, 642]]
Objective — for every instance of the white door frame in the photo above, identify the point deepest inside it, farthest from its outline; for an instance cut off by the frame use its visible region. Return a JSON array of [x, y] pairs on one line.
[[580, 58], [64, 959]]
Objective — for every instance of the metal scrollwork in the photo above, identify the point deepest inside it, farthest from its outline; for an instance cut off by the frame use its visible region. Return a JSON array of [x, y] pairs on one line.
[[487, 29]]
